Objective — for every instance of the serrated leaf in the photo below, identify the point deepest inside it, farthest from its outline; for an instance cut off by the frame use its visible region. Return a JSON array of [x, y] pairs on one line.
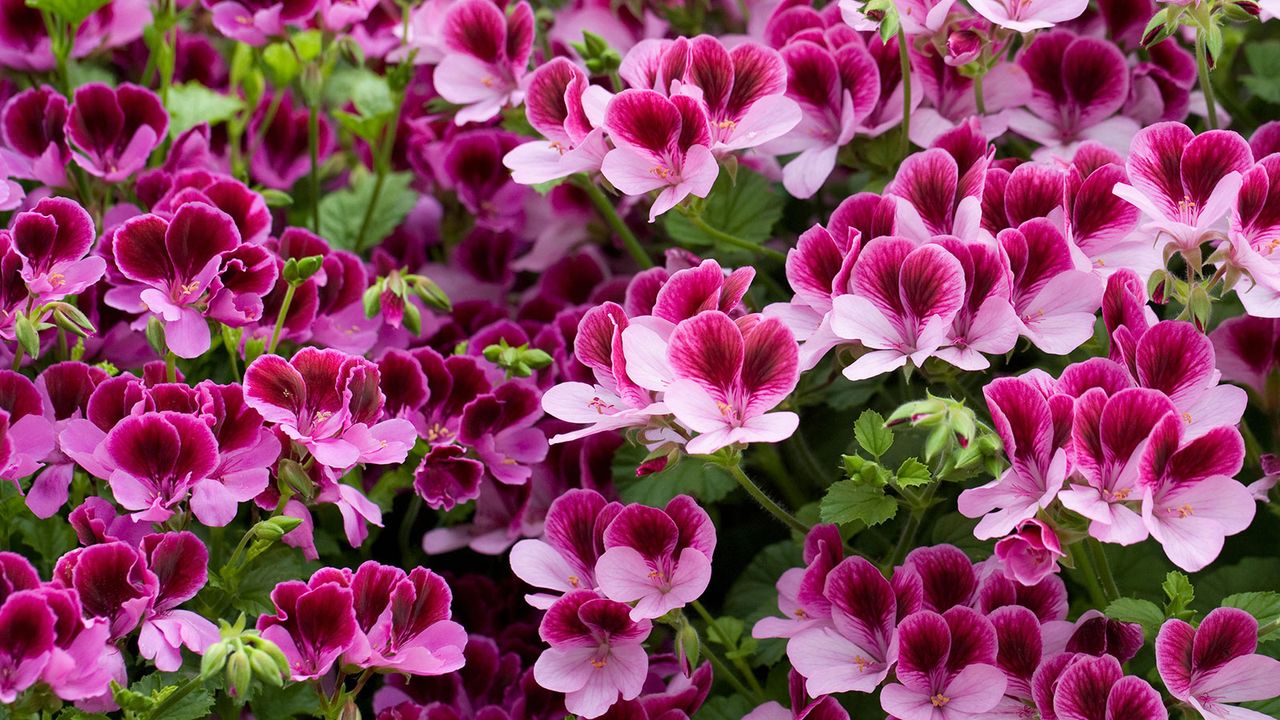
[[733, 707], [703, 480], [1263, 606], [847, 501], [343, 212], [1178, 592], [1144, 612], [1264, 61], [871, 434], [158, 686], [192, 103], [912, 473], [746, 209]]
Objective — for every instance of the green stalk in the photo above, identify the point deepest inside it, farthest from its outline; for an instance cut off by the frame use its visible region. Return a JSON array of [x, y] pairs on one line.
[[978, 95], [904, 59], [1085, 570], [765, 501], [171, 366], [1103, 568], [739, 663], [611, 218], [1202, 66], [313, 144], [725, 238], [284, 312]]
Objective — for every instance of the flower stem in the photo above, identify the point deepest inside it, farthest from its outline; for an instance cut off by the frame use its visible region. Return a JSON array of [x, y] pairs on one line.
[[1086, 571], [904, 58], [725, 238], [979, 97], [765, 501], [176, 697], [284, 312], [610, 215], [313, 144], [739, 663], [1206, 87], [171, 366], [1103, 568]]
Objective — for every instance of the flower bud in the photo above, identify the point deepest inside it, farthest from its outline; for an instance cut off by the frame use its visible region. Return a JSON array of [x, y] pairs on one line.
[[215, 658], [239, 673], [265, 668]]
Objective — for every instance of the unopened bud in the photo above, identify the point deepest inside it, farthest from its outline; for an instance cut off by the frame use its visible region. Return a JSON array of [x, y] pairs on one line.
[[239, 673], [215, 658]]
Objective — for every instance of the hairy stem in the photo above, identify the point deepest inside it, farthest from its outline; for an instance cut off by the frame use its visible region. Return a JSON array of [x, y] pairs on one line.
[[765, 501], [1206, 87], [611, 218]]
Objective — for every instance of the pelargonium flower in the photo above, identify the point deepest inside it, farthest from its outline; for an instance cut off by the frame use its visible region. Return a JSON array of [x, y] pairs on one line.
[[52, 239], [283, 156], [26, 435], [1078, 85], [156, 460], [174, 269], [986, 322], [1035, 431], [32, 126], [939, 191], [113, 583], [918, 17], [1098, 222], [902, 301], [254, 22], [328, 402], [660, 144], [1031, 553], [565, 558], [65, 389], [1055, 302], [801, 595], [946, 668], [856, 651], [728, 377], [498, 428], [951, 98], [179, 562], [313, 624], [1214, 664], [554, 104], [111, 131], [1252, 236], [658, 560], [405, 617], [1023, 16], [596, 655], [488, 56], [1080, 687], [802, 706], [1185, 183], [28, 632]]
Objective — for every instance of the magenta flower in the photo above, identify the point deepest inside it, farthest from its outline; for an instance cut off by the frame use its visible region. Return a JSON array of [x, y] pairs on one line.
[[27, 629], [1031, 553], [1253, 235], [660, 144], [1099, 222], [1055, 301], [65, 389], [32, 126], [1035, 430], [657, 560], [406, 620], [176, 272], [179, 562], [1026, 16], [946, 668], [903, 299], [743, 91], [498, 427], [83, 662], [855, 651], [95, 521], [283, 156], [52, 240], [729, 376], [802, 706], [314, 624], [1246, 349], [565, 558], [113, 583], [112, 131], [1192, 384], [986, 322], [1078, 85], [1185, 184], [1215, 664], [554, 105], [26, 439], [800, 590], [156, 460], [836, 92], [597, 654], [1191, 501], [254, 22], [328, 402], [1079, 687], [488, 56]]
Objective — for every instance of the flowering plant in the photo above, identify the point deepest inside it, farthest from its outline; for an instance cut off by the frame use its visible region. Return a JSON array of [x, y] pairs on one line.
[[644, 360]]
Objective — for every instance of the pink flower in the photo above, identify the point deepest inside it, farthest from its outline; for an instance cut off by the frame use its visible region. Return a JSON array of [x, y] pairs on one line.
[[1216, 664], [174, 272], [565, 558], [1078, 85], [918, 17], [155, 461], [1031, 553], [1034, 429], [405, 617], [328, 402], [1253, 236], [660, 144], [32, 125], [986, 322], [836, 92], [52, 239], [27, 629], [112, 131], [801, 595], [256, 21], [1079, 687], [180, 563], [314, 624], [555, 106], [282, 157], [1055, 301], [487, 58], [1247, 348], [658, 560], [1099, 223], [859, 646], [939, 191], [113, 583], [946, 668], [903, 299], [1185, 184], [26, 435], [802, 706], [597, 654], [729, 375], [1027, 15]]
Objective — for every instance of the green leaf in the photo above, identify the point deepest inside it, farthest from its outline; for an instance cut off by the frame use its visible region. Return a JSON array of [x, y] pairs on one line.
[[1144, 612], [49, 538], [1264, 61], [342, 212], [1264, 606], [746, 209], [1178, 592], [871, 434], [733, 707], [755, 594], [847, 501], [912, 473], [281, 64], [73, 12], [192, 103], [160, 685], [704, 480], [371, 96], [293, 700]]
